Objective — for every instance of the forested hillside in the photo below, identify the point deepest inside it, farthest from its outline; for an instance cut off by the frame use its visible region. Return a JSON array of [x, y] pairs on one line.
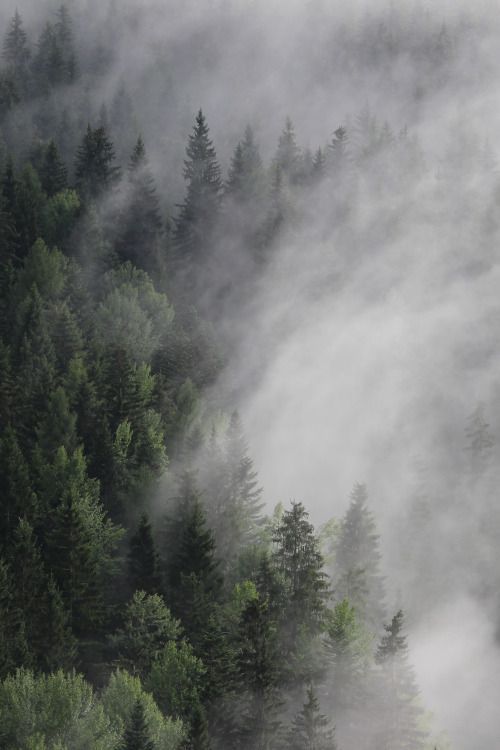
[[153, 594]]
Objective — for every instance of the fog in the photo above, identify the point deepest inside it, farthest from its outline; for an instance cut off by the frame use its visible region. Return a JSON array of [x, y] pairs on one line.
[[372, 335]]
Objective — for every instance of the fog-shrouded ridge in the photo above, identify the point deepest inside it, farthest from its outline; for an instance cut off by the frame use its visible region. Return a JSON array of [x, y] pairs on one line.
[[360, 341]]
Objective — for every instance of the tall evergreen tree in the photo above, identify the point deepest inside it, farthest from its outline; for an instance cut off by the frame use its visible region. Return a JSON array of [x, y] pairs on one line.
[[139, 240], [143, 559], [95, 169], [16, 52], [357, 577], [198, 214], [258, 665], [399, 713], [311, 730], [136, 735], [300, 562], [53, 172], [288, 155], [480, 442]]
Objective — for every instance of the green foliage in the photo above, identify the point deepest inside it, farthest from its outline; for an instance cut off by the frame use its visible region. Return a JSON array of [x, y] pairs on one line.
[[143, 559], [136, 735], [132, 315], [148, 626], [310, 729], [52, 711], [176, 680], [119, 699], [197, 216], [95, 169]]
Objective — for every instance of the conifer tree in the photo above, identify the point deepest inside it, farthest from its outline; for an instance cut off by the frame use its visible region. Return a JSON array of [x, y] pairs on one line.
[[311, 730], [136, 735], [198, 214], [18, 498], [141, 223], [16, 52], [338, 157], [399, 714], [357, 576], [95, 169], [143, 559], [245, 178], [300, 562], [258, 666], [29, 203], [288, 156], [53, 172]]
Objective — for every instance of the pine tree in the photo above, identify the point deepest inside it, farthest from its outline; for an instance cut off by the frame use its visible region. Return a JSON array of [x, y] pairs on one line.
[[95, 170], [338, 157], [53, 172], [64, 35], [18, 497], [136, 735], [30, 584], [143, 559], [16, 52], [29, 203], [141, 221], [311, 730], [300, 562], [357, 577], [198, 214], [277, 212], [258, 666], [193, 575], [288, 156], [245, 178], [399, 714]]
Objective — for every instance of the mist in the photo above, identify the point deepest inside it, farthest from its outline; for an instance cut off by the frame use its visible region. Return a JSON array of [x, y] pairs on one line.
[[368, 337]]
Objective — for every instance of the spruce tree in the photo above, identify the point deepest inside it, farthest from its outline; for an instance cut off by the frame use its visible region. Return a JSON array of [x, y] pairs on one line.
[[357, 575], [95, 169], [198, 214], [480, 442], [141, 221], [136, 736], [298, 559], [399, 715], [258, 667], [16, 491], [53, 172], [16, 52], [311, 730], [143, 559], [288, 156]]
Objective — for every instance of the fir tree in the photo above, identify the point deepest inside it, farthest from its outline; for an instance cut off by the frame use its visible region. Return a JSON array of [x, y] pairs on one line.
[[480, 442], [143, 559], [198, 214], [310, 729], [288, 156], [53, 172], [141, 222], [357, 577], [136, 735], [299, 561], [399, 714], [95, 170], [16, 52], [258, 665]]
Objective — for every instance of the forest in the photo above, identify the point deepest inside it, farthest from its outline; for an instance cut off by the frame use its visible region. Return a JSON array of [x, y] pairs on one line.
[[158, 293]]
